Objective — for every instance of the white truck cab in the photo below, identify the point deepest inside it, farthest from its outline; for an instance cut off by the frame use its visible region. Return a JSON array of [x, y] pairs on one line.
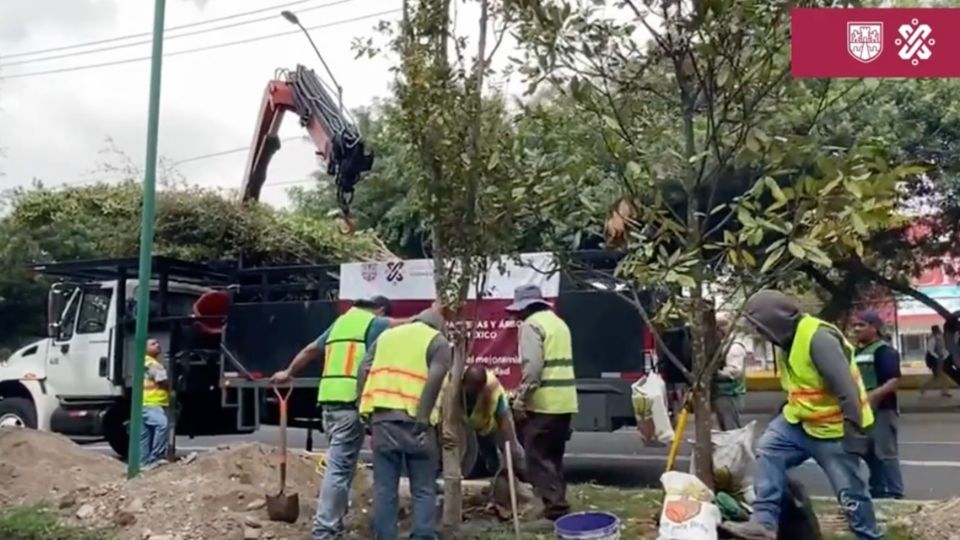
[[72, 380]]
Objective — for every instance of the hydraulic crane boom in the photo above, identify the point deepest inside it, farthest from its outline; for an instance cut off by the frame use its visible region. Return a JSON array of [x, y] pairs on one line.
[[337, 140]]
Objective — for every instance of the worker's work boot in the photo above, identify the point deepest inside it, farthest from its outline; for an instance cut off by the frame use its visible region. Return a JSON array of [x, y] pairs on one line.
[[750, 530]]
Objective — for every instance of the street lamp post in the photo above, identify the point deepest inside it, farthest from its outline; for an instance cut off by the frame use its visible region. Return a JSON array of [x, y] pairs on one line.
[[146, 244], [293, 19]]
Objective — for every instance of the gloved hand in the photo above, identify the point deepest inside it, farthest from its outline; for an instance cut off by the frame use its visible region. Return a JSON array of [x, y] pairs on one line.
[[420, 431], [519, 459], [519, 409], [856, 440]]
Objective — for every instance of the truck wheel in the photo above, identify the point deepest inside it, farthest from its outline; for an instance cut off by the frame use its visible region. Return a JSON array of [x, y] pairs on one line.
[[116, 428], [17, 412]]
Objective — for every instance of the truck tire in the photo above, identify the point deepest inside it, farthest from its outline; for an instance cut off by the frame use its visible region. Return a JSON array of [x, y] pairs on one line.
[[18, 412], [116, 428]]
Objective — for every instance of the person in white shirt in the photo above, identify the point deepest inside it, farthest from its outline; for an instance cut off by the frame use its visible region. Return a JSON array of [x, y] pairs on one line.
[[936, 355], [729, 383]]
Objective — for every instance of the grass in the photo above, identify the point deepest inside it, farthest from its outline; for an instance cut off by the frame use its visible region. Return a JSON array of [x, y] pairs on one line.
[[40, 523], [638, 510]]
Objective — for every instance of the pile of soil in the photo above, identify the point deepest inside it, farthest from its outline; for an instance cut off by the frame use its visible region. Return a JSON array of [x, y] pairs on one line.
[[218, 494], [37, 466], [933, 521]]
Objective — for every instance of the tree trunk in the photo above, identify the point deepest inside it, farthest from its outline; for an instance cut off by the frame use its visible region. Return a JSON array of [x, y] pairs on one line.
[[453, 436], [700, 390]]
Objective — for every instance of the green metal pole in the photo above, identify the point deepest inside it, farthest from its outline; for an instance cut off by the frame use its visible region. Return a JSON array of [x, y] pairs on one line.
[[146, 243]]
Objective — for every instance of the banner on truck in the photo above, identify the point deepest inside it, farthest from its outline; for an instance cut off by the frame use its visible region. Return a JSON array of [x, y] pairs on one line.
[[410, 287]]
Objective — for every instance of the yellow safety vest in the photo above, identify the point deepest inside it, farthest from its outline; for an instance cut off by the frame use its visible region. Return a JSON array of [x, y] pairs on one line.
[[557, 393], [399, 371], [808, 401], [483, 417], [344, 350], [153, 395]]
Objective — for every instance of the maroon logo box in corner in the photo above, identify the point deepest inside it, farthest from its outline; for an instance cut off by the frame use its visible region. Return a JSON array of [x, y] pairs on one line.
[[875, 42]]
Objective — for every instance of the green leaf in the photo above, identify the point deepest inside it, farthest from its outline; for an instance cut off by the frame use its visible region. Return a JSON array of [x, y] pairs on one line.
[[797, 250], [494, 161], [772, 259], [858, 224], [775, 189]]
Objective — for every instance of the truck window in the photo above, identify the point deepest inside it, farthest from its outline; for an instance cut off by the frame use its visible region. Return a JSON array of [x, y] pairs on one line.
[[94, 310], [69, 319]]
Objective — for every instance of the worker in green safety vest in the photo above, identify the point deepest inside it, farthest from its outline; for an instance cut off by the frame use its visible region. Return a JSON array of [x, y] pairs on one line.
[[340, 348], [879, 365], [729, 383], [546, 399], [826, 418]]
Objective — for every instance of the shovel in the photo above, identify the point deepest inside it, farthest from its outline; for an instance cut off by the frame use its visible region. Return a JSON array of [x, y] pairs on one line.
[[283, 507]]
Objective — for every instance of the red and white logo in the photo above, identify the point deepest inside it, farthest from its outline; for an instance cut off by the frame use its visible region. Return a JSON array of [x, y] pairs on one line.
[[865, 40], [368, 271], [395, 272]]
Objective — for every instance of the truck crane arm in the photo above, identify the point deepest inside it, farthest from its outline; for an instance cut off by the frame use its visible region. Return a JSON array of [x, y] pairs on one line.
[[336, 138]]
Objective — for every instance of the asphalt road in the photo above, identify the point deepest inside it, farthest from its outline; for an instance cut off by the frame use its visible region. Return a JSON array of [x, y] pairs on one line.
[[929, 447]]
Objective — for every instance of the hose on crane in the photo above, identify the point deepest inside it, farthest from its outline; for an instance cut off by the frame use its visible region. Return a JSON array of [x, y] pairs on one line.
[[314, 99]]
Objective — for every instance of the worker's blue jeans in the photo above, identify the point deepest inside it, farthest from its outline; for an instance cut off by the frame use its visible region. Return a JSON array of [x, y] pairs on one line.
[[345, 435], [395, 446], [153, 436], [784, 446]]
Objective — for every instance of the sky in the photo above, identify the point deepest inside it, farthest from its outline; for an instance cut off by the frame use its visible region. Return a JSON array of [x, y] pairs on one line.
[[56, 127]]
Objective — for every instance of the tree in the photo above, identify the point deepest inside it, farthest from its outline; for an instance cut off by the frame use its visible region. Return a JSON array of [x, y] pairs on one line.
[[563, 185], [462, 184], [725, 185], [101, 220]]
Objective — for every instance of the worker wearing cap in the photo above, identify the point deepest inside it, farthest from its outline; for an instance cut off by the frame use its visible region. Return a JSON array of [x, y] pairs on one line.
[[401, 376], [156, 399], [340, 348], [546, 399], [487, 410], [879, 365]]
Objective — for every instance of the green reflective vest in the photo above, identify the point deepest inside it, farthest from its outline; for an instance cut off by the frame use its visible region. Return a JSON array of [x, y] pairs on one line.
[[399, 371], [865, 362], [809, 403], [345, 347], [557, 393]]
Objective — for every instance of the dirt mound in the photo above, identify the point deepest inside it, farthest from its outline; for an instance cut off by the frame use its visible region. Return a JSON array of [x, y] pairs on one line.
[[37, 466], [933, 521], [215, 495]]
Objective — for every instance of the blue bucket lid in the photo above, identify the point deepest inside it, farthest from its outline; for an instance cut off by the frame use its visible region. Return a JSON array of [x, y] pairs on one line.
[[586, 522]]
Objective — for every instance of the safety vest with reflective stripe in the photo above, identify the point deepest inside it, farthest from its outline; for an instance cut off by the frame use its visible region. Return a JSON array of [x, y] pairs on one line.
[[153, 395], [343, 352], [866, 363], [557, 393], [808, 401], [399, 371], [483, 418]]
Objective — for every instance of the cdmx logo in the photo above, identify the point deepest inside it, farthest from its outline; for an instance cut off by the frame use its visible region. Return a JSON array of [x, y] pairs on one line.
[[395, 271], [915, 41]]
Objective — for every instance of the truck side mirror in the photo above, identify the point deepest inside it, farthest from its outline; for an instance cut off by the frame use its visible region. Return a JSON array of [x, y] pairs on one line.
[[55, 304]]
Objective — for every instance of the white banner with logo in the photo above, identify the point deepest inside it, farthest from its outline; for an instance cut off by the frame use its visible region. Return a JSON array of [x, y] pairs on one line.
[[413, 279]]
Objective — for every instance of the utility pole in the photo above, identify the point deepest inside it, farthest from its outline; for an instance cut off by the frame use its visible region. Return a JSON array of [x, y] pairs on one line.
[[146, 244]]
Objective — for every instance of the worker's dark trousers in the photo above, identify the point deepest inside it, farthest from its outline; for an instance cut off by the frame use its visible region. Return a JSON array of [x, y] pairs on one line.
[[544, 439]]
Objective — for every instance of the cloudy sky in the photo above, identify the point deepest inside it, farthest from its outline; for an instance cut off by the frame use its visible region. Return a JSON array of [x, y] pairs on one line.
[[54, 127]]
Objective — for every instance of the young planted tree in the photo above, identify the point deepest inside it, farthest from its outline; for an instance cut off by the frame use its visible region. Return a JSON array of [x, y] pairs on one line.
[[725, 186], [462, 187]]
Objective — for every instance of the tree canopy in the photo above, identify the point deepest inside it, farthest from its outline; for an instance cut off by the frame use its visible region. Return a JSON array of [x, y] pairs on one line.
[[102, 221]]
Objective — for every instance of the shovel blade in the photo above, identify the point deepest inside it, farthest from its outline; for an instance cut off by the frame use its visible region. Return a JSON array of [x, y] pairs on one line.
[[283, 507]]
